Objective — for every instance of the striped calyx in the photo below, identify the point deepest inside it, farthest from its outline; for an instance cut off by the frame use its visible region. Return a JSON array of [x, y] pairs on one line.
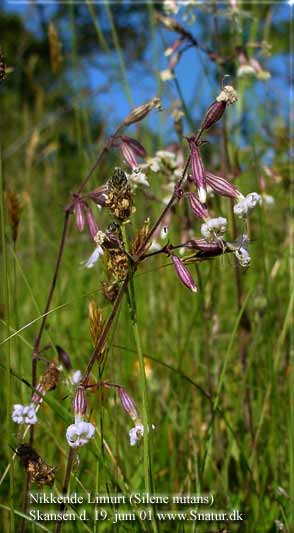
[[183, 273]]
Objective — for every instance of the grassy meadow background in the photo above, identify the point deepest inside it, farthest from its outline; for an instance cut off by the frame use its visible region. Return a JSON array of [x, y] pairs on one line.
[[61, 97]]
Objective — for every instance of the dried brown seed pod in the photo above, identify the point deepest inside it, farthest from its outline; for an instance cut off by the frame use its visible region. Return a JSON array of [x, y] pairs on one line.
[[40, 472]]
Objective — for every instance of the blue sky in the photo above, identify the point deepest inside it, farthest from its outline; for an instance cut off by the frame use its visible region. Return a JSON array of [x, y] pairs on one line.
[[194, 72]]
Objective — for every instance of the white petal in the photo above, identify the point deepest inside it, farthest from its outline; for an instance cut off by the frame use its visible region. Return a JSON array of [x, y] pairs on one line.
[[94, 257]]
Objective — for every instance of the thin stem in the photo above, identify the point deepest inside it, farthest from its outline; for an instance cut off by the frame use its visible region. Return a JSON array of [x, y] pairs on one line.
[[50, 297], [131, 296], [99, 346], [170, 203], [165, 210], [101, 341], [70, 460], [8, 353]]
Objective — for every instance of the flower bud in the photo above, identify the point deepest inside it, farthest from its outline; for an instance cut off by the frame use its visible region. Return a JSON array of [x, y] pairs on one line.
[[140, 112], [213, 114], [80, 217], [80, 402], [63, 357], [183, 273], [222, 186], [198, 209], [128, 404]]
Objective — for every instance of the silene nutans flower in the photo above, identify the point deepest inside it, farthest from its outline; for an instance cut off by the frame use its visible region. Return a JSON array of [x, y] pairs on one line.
[[137, 433], [80, 432], [243, 257], [228, 95], [214, 228], [242, 208], [24, 414]]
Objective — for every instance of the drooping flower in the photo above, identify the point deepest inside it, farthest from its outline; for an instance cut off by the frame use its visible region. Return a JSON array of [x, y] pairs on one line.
[[137, 433], [24, 414], [214, 227], [138, 177], [242, 208], [243, 257], [79, 434]]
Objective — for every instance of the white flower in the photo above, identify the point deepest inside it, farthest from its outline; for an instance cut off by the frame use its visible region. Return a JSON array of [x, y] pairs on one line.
[[248, 203], [252, 199], [94, 257], [166, 75], [170, 7], [79, 434], [137, 433], [246, 70], [76, 377], [154, 164], [24, 414], [241, 208], [139, 177], [215, 227], [242, 255], [164, 154], [228, 94]]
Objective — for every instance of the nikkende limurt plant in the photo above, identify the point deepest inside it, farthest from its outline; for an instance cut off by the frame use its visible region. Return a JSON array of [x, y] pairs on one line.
[[119, 249]]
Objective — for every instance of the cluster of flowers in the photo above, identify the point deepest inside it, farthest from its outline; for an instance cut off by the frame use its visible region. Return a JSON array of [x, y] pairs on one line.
[[170, 164], [81, 432], [27, 414]]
